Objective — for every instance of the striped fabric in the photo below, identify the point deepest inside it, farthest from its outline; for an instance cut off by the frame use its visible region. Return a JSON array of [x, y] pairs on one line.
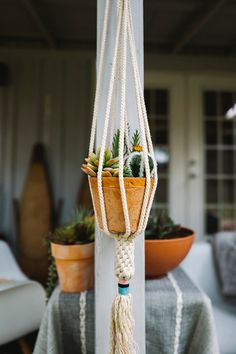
[[178, 320]]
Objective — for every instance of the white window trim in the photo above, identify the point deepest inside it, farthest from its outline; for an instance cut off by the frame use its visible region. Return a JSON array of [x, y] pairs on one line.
[[174, 83]]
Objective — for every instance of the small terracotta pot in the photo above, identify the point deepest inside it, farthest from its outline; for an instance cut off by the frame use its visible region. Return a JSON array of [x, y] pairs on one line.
[[75, 266], [134, 188], [162, 256]]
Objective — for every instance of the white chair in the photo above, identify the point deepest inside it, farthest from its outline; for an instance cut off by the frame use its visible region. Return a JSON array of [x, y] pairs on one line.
[[22, 301], [199, 265]]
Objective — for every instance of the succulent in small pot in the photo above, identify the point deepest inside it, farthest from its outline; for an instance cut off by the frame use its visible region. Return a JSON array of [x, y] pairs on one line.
[[166, 244], [72, 247], [134, 182]]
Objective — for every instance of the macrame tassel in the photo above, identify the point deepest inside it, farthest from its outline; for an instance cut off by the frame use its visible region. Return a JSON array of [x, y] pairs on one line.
[[122, 324]]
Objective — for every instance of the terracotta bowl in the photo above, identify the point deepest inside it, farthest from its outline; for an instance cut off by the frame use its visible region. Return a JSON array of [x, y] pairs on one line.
[[162, 256]]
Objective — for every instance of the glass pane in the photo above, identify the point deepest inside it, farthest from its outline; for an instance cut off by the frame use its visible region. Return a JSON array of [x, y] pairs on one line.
[[226, 102], [161, 134], [212, 221], [211, 191], [228, 191], [220, 161], [228, 222], [147, 100], [162, 191], [157, 123], [158, 102], [161, 102], [227, 132], [163, 159], [211, 132], [211, 161], [210, 106], [228, 161]]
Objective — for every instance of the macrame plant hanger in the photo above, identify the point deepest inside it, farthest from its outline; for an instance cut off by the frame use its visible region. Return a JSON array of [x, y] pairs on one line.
[[121, 335]]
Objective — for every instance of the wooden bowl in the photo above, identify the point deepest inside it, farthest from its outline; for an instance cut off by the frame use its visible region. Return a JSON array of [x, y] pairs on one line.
[[162, 256]]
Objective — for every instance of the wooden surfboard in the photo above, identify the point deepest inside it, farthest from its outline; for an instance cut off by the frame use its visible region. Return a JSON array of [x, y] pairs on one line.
[[84, 196], [35, 218]]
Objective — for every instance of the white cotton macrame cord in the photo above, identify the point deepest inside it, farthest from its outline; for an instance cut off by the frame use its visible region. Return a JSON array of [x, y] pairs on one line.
[[141, 102], [121, 334], [121, 339], [99, 76], [146, 206], [115, 93], [106, 123], [98, 88], [82, 315], [143, 134], [122, 322], [122, 118]]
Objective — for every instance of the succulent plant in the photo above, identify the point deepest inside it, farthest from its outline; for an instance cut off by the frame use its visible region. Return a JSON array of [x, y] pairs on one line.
[[134, 165], [110, 164], [161, 226], [52, 276], [134, 162], [135, 142], [79, 231]]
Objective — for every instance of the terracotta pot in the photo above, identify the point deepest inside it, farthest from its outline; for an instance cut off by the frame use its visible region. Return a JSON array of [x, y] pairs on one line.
[[75, 266], [162, 256], [134, 187]]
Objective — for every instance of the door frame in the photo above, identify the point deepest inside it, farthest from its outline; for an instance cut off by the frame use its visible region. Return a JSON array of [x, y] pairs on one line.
[[196, 84], [174, 83]]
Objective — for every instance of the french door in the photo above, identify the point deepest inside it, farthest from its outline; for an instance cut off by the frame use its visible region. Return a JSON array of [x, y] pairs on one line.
[[195, 145], [213, 154]]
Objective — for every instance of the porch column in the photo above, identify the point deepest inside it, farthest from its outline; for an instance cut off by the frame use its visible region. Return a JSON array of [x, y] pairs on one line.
[[105, 280]]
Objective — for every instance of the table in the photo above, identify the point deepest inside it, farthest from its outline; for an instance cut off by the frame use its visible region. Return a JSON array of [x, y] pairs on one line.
[[178, 320]]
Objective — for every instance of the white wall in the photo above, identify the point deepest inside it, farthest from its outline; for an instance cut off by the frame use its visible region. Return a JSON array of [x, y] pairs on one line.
[[49, 100]]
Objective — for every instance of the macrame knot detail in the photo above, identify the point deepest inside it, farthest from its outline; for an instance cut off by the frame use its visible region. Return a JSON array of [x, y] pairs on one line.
[[124, 259]]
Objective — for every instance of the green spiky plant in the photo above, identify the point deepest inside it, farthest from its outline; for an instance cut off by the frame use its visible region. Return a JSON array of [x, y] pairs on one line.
[[161, 226], [80, 230], [115, 144], [134, 159]]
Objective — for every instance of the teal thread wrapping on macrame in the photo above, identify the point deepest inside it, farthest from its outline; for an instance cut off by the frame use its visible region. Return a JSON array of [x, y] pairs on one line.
[[123, 291]]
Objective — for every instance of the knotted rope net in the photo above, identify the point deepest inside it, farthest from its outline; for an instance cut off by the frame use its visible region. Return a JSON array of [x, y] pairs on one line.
[[115, 114]]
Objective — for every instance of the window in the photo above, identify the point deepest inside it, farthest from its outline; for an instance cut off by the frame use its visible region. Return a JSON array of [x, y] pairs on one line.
[[157, 103], [220, 161]]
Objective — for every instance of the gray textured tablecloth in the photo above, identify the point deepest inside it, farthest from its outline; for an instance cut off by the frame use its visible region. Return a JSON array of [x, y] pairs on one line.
[[179, 320], [224, 247]]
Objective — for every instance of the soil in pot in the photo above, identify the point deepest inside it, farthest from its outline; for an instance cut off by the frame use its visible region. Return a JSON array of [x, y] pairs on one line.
[[75, 266], [134, 188], [162, 256]]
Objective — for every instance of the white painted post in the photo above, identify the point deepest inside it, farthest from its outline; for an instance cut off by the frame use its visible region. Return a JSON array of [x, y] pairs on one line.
[[105, 280]]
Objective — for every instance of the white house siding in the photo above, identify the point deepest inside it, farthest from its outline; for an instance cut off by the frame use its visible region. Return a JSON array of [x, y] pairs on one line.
[[48, 99]]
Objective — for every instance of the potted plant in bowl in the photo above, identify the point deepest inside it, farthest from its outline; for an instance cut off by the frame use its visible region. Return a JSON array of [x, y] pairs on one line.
[[134, 182], [166, 245], [72, 247]]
